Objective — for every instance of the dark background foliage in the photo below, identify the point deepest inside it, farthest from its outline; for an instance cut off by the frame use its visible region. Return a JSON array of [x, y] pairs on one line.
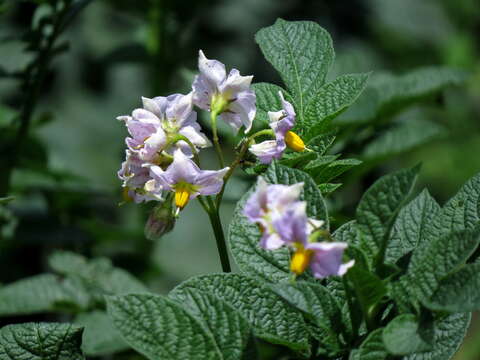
[[61, 166]]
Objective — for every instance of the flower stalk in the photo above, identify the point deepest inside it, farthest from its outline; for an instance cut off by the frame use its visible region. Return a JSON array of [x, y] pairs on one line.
[[216, 142]]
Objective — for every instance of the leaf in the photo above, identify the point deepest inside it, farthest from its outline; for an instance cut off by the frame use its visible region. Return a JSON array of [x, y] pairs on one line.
[[229, 329], [449, 333], [387, 93], [405, 335], [271, 318], [302, 52], [99, 335], [327, 189], [372, 348], [369, 288], [348, 233], [458, 292], [379, 206], [321, 143], [401, 138], [435, 260], [160, 328], [244, 236], [42, 293], [267, 99], [463, 210], [413, 226], [318, 305], [331, 99], [98, 274], [333, 170], [40, 342]]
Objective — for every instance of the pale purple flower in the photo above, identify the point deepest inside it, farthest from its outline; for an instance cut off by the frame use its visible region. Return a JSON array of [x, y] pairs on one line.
[[186, 179], [291, 225], [268, 205], [281, 122], [326, 259], [147, 136], [161, 119], [134, 176], [230, 96]]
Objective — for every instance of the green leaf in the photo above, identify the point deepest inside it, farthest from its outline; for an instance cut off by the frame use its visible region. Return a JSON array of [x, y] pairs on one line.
[[244, 236], [372, 348], [333, 170], [302, 52], [42, 293], [271, 318], [98, 275], [413, 226], [369, 288], [99, 336], [160, 328], [321, 143], [463, 210], [327, 189], [458, 292], [267, 99], [438, 258], [40, 342], [387, 94], [401, 138], [449, 333], [229, 329], [318, 305], [405, 335], [331, 99], [320, 163], [348, 233], [379, 206]]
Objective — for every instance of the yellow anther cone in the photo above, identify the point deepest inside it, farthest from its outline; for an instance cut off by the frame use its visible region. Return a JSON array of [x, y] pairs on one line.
[[294, 141], [300, 261], [182, 195]]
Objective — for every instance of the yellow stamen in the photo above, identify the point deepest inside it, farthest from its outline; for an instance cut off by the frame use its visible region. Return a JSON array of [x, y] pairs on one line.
[[300, 260], [182, 195], [294, 141], [125, 195]]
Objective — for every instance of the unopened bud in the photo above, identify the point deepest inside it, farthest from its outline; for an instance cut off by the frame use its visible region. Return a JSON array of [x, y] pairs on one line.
[[160, 221]]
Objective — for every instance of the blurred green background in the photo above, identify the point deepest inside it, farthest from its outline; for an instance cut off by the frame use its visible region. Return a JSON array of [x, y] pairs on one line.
[[67, 193]]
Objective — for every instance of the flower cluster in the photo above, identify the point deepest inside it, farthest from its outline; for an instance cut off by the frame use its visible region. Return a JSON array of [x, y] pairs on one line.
[[164, 139], [165, 135], [283, 221]]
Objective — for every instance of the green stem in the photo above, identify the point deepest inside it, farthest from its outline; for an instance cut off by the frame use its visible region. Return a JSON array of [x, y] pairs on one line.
[[216, 223], [35, 76], [178, 138], [351, 308], [216, 143], [202, 202], [238, 159]]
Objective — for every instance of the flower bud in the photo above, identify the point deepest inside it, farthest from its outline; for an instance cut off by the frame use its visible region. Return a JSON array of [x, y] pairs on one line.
[[160, 221]]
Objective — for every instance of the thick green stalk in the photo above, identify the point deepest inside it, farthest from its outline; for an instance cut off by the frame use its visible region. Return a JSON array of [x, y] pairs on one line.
[[216, 143], [178, 138], [216, 223], [237, 161]]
